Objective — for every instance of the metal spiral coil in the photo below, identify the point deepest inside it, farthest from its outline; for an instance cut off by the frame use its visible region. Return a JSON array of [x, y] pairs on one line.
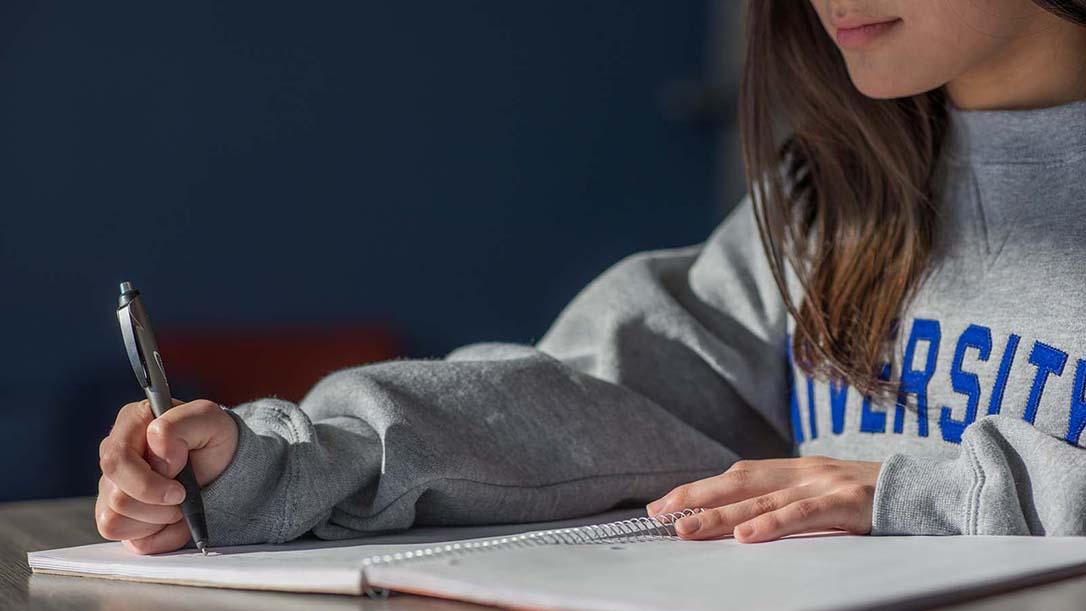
[[633, 530]]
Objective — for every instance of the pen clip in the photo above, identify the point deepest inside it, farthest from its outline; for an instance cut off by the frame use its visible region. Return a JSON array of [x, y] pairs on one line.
[[131, 346]]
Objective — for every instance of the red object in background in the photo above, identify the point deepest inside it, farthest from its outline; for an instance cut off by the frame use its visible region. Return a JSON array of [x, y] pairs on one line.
[[236, 366]]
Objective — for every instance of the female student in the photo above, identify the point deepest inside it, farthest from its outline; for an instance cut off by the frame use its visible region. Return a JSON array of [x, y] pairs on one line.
[[890, 331]]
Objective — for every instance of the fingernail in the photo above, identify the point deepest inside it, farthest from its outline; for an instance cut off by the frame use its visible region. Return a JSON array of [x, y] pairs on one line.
[[744, 530], [654, 507], [174, 495], [688, 525]]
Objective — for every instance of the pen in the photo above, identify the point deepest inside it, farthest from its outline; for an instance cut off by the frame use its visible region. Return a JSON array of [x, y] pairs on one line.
[[139, 342]]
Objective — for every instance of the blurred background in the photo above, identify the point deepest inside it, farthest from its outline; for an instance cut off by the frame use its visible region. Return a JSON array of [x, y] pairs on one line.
[[300, 187]]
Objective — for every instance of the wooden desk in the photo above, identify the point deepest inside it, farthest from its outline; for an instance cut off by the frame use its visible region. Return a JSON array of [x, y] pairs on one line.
[[35, 525]]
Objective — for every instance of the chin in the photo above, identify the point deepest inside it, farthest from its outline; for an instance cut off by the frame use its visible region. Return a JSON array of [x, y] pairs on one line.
[[880, 91], [879, 85]]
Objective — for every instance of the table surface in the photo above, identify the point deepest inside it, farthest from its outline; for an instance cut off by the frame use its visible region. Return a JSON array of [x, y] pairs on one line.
[[35, 525]]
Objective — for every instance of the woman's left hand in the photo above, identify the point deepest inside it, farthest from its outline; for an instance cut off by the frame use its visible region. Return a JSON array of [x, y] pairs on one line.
[[762, 500]]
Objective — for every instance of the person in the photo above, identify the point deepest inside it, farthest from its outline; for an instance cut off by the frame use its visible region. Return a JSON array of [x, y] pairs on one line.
[[886, 336]]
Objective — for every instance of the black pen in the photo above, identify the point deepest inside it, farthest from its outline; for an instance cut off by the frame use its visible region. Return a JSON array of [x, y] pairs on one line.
[[139, 341]]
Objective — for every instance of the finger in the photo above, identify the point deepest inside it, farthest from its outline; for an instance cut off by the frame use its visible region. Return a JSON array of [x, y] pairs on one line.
[[721, 521], [131, 473], [175, 536], [120, 502], [131, 426], [196, 426], [744, 480], [115, 527], [805, 515]]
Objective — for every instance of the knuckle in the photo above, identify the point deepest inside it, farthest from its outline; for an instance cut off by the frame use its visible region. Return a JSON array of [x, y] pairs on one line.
[[117, 500], [108, 524], [126, 411], [203, 407], [713, 518], [137, 410], [738, 477], [767, 522], [765, 504], [834, 479], [681, 495], [808, 508], [859, 492], [740, 465], [111, 457]]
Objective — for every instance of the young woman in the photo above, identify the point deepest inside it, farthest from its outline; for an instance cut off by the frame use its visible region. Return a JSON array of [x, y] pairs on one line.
[[899, 303]]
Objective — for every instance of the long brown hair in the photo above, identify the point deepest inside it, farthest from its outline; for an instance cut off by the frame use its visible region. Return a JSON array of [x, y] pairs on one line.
[[842, 187]]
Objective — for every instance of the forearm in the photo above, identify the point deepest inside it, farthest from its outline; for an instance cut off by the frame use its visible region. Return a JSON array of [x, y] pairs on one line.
[[518, 438]]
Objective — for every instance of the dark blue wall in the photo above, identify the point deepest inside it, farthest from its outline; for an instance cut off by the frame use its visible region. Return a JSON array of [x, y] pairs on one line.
[[455, 170]]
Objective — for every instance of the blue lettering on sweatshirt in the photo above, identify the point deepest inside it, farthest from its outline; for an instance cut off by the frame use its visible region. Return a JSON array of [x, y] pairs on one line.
[[797, 424], [915, 381], [996, 402], [811, 409], [1049, 361], [974, 346], [965, 382], [1077, 420], [838, 400]]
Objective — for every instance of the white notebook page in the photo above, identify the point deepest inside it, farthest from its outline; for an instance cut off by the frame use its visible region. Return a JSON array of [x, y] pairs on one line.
[[301, 566], [813, 572], [816, 572]]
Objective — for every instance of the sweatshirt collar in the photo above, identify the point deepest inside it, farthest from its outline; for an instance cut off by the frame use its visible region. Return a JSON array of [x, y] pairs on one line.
[[1017, 136]]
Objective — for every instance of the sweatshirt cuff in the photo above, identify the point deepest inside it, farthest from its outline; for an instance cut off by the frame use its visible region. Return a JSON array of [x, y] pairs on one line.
[[917, 495], [232, 501]]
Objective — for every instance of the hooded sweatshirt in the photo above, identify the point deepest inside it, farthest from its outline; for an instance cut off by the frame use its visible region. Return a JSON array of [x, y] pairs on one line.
[[673, 364]]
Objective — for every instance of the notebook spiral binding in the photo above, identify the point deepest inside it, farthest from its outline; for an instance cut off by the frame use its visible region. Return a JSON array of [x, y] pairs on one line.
[[633, 530]]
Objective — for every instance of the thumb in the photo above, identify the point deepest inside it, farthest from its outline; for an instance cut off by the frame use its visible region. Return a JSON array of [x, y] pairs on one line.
[[198, 430]]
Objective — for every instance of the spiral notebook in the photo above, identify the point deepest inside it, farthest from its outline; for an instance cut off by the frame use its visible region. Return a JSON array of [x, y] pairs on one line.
[[611, 563]]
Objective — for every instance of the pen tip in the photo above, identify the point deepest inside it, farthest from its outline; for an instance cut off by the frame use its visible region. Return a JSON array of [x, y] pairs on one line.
[[200, 545]]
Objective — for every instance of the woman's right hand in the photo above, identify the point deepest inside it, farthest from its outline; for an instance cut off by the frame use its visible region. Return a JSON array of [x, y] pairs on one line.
[[138, 499]]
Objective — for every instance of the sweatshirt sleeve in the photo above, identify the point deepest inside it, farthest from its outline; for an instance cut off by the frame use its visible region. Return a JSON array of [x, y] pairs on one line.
[[663, 370], [1010, 478]]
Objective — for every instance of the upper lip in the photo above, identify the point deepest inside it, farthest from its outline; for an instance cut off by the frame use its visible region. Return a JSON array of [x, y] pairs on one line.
[[856, 21]]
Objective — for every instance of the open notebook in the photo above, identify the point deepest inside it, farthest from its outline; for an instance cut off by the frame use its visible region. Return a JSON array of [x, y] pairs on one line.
[[635, 563]]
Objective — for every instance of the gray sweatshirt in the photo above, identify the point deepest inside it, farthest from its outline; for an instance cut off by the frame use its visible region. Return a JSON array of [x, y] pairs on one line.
[[674, 363]]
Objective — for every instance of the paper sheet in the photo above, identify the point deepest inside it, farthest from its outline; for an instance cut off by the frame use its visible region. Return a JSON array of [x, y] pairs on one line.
[[815, 572], [811, 572], [301, 566]]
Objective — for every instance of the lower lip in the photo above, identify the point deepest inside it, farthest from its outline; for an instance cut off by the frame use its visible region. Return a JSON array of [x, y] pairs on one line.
[[853, 38]]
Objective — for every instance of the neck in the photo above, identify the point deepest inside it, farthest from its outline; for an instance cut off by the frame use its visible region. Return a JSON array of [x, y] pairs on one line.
[[1043, 67]]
